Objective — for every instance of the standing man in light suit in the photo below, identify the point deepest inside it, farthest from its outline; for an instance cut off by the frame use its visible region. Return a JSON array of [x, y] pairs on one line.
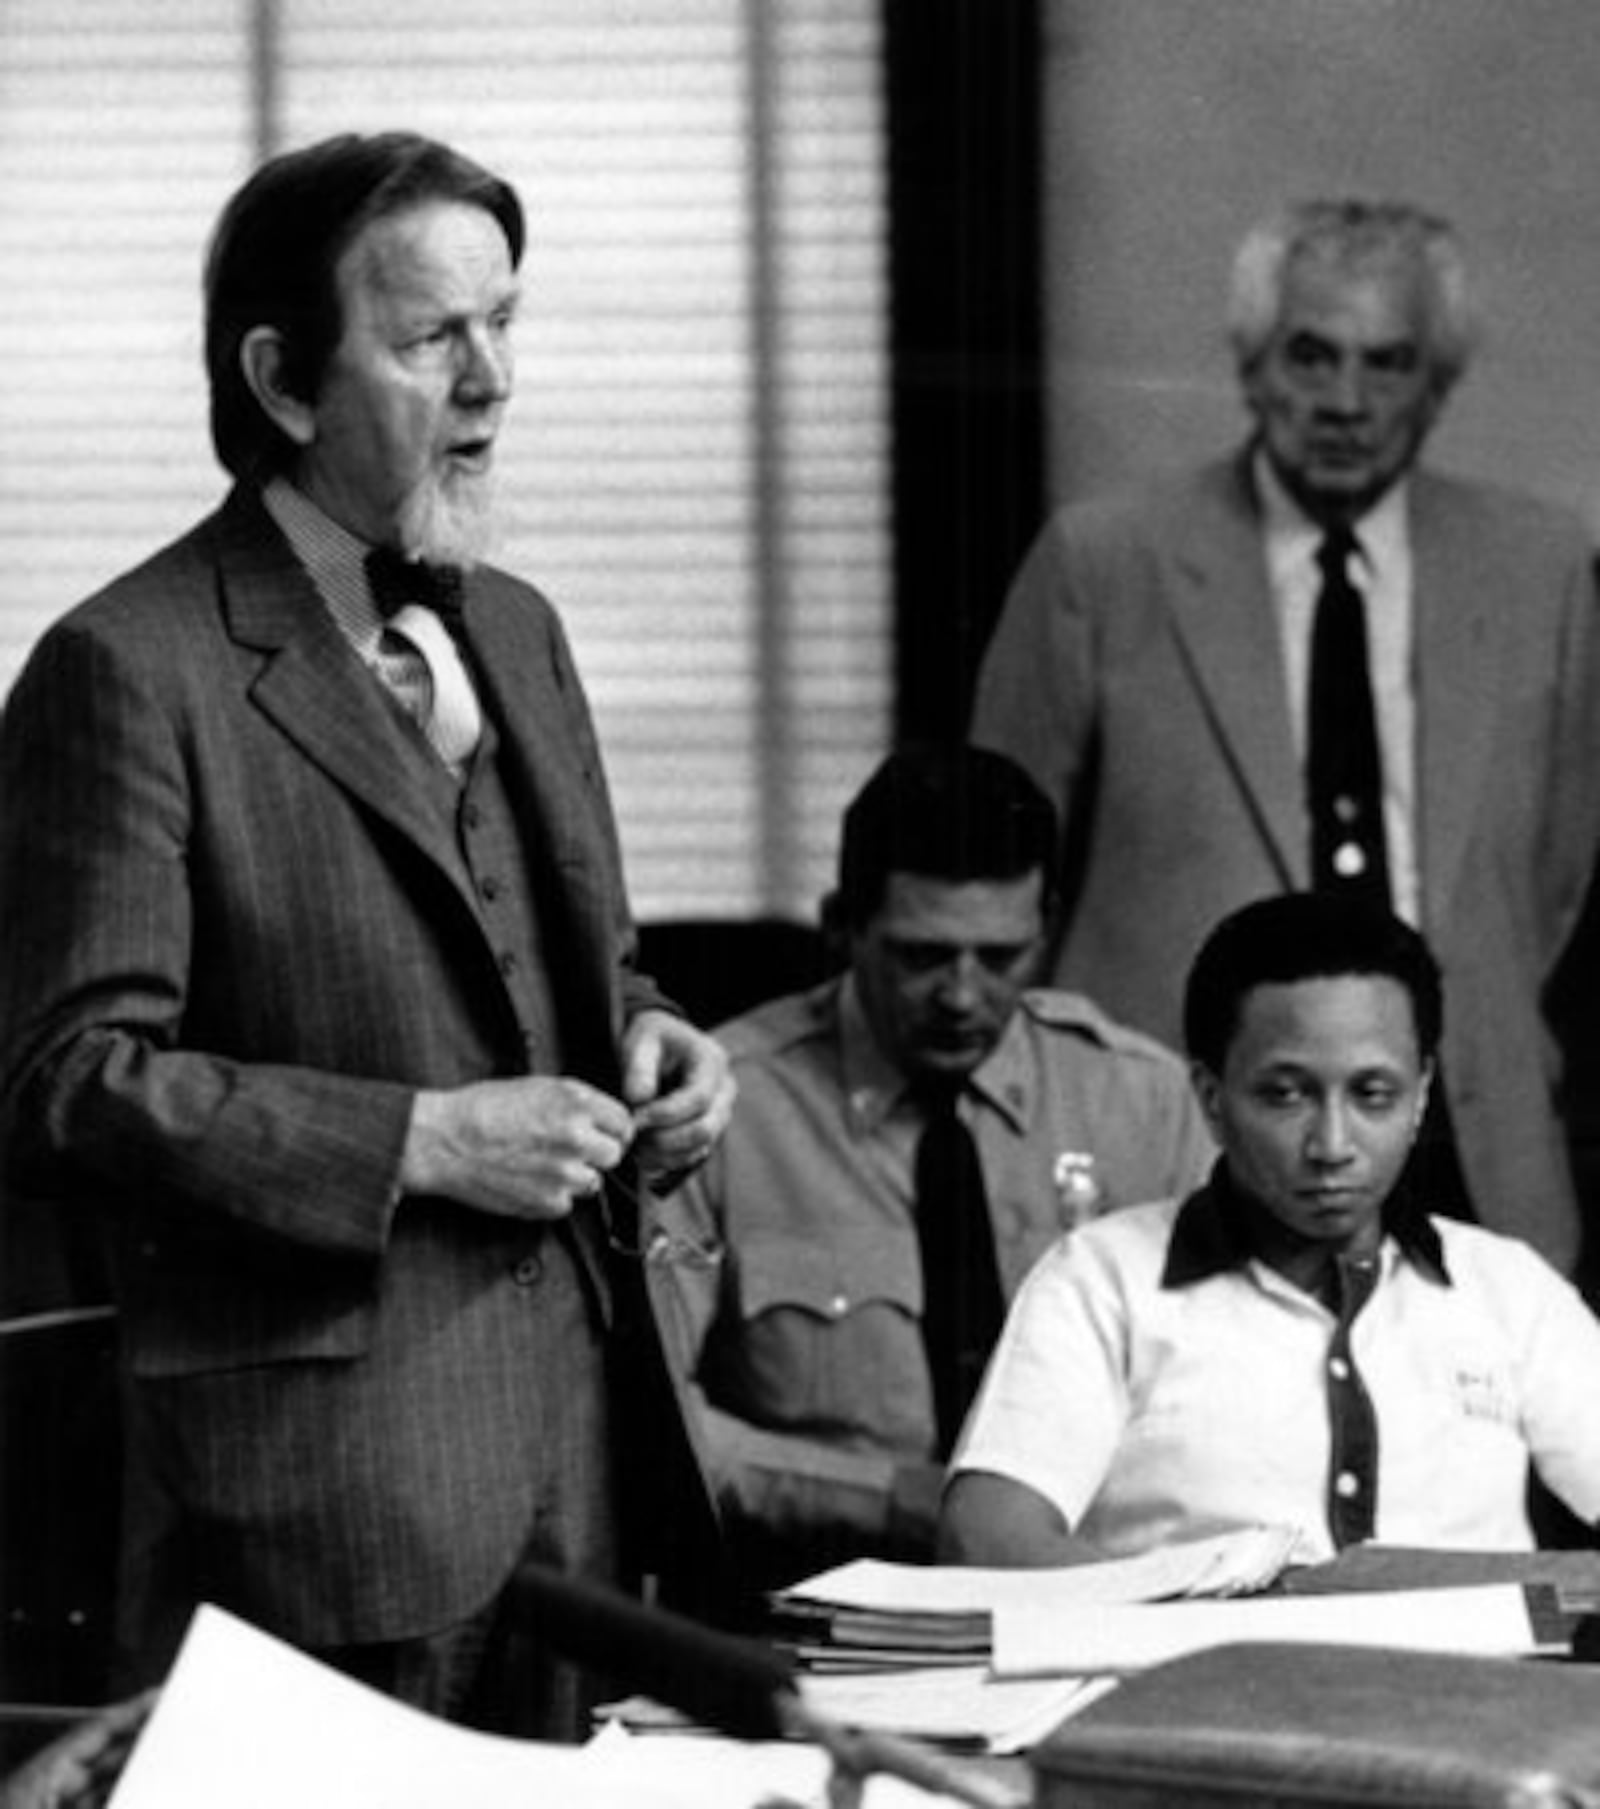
[[316, 982], [1157, 670]]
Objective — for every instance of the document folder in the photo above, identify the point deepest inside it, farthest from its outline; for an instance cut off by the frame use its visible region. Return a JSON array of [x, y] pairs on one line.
[[1277, 1726]]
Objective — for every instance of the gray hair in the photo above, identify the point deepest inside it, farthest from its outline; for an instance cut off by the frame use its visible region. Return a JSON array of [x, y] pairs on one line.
[[1354, 237]]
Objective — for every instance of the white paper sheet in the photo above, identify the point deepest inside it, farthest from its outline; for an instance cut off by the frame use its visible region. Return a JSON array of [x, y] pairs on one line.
[[246, 1722], [1036, 1640], [961, 1703], [1224, 1565]]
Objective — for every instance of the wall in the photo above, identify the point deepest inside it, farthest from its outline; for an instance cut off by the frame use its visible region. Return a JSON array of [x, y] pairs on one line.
[[1172, 124]]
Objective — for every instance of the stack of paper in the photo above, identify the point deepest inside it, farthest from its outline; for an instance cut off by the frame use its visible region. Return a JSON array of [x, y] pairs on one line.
[[870, 1614], [831, 1637], [938, 1649], [907, 1648]]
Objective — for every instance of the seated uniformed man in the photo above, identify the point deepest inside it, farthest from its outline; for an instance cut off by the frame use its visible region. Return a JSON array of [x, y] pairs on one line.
[[908, 1139], [1300, 1342]]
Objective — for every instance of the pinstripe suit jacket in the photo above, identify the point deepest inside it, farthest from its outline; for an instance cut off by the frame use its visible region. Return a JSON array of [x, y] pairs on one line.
[[1136, 673], [233, 939]]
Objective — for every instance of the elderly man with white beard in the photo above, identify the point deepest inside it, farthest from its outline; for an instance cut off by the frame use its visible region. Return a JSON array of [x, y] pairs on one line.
[[317, 985]]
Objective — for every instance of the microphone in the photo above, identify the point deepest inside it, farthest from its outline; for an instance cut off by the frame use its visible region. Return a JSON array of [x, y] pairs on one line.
[[715, 1678], [738, 1685]]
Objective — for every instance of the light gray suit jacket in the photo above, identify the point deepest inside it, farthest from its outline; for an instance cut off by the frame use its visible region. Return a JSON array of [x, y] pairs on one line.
[[1136, 673], [234, 938]]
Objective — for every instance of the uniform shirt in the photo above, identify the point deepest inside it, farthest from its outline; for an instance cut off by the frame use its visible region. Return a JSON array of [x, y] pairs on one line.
[[804, 1336], [1155, 1390]]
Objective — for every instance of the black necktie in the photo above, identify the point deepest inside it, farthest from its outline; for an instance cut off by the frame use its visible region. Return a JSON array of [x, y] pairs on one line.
[[1344, 769], [397, 581], [962, 1306]]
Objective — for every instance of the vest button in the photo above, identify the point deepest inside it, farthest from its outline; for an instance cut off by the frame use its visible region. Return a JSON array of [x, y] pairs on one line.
[[526, 1272]]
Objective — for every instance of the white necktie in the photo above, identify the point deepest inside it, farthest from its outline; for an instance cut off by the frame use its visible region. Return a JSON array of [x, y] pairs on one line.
[[451, 719]]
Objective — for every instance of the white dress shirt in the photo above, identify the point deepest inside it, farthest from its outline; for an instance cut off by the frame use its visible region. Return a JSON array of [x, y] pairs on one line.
[[1150, 1410]]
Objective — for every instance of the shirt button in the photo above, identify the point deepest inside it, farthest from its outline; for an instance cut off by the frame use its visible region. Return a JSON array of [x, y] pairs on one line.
[[471, 816], [508, 961], [489, 886], [527, 1272], [1347, 1485], [1338, 1369]]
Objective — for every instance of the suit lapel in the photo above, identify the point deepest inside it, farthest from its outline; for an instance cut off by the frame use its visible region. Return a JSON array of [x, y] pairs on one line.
[[1457, 615], [539, 744], [1227, 630], [312, 685], [550, 766]]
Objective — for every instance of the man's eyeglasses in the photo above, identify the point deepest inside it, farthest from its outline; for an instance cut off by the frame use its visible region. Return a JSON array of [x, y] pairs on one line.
[[654, 1243]]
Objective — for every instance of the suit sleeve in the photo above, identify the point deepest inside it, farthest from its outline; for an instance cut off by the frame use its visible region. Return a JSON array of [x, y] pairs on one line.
[[99, 1093], [1571, 831]]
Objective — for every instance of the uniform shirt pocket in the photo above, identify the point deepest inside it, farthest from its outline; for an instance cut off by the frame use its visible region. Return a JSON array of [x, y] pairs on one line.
[[825, 1340]]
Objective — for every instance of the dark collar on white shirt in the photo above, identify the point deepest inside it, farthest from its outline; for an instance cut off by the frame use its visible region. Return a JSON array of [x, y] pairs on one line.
[[1213, 1232]]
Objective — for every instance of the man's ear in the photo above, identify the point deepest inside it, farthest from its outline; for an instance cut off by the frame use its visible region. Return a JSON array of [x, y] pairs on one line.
[[1208, 1090], [263, 361], [1419, 1110], [1247, 374]]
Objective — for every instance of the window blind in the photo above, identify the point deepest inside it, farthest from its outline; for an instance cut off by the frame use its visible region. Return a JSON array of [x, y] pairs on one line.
[[695, 467], [121, 130]]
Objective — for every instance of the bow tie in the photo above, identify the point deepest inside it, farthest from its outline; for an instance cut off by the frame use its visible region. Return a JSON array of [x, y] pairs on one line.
[[396, 581]]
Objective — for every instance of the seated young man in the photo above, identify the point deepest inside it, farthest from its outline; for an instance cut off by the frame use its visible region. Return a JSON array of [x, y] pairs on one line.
[[1299, 1342]]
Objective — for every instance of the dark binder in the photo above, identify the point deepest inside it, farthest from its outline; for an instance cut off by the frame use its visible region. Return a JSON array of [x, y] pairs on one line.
[[1281, 1726]]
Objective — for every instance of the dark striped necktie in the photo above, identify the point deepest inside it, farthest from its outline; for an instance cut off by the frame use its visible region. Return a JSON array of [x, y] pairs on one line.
[[1344, 766]]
